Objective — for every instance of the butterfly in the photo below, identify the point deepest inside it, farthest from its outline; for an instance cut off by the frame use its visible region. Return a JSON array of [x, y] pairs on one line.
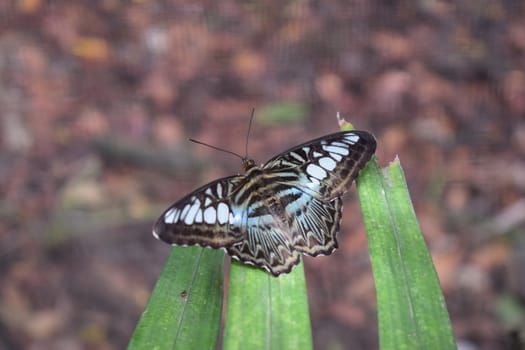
[[269, 216]]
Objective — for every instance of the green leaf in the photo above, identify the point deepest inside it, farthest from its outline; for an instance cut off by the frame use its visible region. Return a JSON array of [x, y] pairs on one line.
[[279, 113], [411, 308], [184, 310], [266, 312]]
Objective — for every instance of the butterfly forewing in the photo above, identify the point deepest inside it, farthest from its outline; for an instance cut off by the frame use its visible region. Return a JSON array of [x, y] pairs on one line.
[[327, 165], [205, 217], [267, 217]]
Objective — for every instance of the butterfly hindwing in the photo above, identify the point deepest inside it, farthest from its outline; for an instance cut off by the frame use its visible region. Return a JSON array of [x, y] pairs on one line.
[[268, 242], [275, 245], [284, 221], [205, 217], [268, 247], [316, 225]]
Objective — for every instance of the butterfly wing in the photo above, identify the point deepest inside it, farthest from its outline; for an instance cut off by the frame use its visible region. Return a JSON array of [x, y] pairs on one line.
[[327, 166], [316, 225], [284, 221], [267, 246], [316, 174], [205, 217]]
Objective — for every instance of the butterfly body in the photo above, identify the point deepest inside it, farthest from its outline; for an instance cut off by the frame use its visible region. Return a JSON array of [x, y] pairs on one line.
[[273, 213]]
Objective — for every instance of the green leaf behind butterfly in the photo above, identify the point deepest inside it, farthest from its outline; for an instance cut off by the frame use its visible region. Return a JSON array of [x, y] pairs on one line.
[[265, 312], [184, 309], [279, 113], [411, 309]]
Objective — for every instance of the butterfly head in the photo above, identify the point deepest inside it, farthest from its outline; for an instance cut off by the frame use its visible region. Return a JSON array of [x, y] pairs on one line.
[[247, 164]]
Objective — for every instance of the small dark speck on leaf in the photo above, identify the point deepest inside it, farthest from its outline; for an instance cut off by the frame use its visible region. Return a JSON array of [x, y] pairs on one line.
[[184, 294]]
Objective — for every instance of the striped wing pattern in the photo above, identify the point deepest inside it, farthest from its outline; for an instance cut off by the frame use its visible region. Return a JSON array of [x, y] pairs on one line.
[[272, 214], [205, 217]]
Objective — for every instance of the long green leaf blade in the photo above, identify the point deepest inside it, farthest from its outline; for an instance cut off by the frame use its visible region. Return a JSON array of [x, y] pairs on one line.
[[184, 310], [266, 312], [411, 308]]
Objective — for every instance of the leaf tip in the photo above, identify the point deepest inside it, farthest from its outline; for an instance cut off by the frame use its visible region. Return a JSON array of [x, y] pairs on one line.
[[395, 162], [343, 124]]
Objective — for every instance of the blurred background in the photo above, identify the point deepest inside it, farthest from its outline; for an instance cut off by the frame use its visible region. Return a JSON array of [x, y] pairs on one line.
[[98, 98]]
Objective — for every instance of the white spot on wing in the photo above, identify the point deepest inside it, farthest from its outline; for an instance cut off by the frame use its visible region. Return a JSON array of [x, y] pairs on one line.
[[198, 217], [296, 156], [222, 213], [327, 163], [185, 210], [219, 190], [210, 215], [338, 150], [352, 138], [177, 216], [169, 217], [338, 144], [316, 171], [317, 154], [188, 220], [336, 156], [313, 184], [208, 192], [207, 202], [235, 257]]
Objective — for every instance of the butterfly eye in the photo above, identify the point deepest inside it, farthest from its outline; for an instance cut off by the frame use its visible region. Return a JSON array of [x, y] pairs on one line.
[[247, 164]]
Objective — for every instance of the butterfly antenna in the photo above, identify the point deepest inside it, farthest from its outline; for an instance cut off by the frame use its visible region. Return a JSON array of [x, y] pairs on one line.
[[248, 134], [217, 148]]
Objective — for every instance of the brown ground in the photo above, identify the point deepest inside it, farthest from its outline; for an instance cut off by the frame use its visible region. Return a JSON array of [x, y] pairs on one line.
[[97, 99]]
